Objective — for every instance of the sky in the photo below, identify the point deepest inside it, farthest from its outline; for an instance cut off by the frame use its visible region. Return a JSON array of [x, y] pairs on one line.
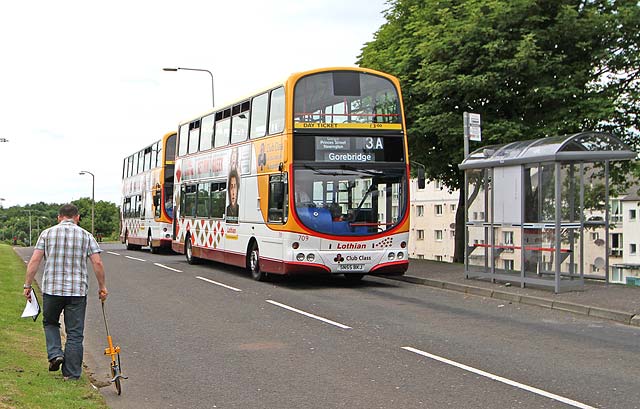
[[82, 85]]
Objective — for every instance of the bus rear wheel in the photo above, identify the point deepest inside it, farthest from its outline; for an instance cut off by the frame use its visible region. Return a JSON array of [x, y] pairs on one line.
[[188, 252], [129, 245], [253, 263], [154, 250]]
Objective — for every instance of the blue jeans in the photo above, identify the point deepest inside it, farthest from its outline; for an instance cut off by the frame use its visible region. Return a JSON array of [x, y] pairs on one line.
[[74, 312]]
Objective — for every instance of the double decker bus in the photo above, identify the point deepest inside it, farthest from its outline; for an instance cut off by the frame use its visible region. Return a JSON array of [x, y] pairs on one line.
[[307, 176], [146, 214]]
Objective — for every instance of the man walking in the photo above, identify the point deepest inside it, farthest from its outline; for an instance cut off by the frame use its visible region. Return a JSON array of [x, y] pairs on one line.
[[65, 248]]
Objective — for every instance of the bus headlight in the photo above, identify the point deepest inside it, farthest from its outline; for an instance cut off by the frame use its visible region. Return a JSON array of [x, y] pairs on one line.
[[400, 255], [392, 256], [311, 257], [300, 257]]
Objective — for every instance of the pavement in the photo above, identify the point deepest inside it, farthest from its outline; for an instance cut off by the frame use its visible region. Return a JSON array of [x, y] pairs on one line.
[[616, 302]]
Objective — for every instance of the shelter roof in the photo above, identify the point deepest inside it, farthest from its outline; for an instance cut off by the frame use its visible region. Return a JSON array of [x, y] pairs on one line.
[[579, 147]]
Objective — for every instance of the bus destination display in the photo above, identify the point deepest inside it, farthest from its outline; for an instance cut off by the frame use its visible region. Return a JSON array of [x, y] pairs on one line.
[[348, 148]]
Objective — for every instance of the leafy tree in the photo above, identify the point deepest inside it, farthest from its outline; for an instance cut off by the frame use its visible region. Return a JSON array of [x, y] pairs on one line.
[[531, 68], [14, 221]]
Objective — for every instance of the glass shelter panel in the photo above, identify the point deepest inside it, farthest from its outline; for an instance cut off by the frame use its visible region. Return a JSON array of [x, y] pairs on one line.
[[479, 236]]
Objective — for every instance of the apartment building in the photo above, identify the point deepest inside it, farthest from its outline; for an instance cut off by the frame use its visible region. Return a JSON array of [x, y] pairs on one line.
[[627, 245], [433, 212], [433, 215]]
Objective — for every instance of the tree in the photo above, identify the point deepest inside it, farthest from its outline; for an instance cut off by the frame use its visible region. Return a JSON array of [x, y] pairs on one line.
[[106, 214], [14, 221], [531, 68]]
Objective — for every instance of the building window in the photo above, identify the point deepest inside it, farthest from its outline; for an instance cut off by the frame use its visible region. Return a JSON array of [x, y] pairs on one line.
[[595, 235], [632, 248], [438, 210], [438, 235], [419, 210], [508, 265], [420, 256], [616, 244], [453, 208], [439, 258], [594, 269], [420, 234], [632, 214], [507, 237], [616, 275], [616, 211]]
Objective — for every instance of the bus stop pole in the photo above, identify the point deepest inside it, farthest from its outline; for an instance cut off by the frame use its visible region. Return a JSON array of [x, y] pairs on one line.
[[465, 121]]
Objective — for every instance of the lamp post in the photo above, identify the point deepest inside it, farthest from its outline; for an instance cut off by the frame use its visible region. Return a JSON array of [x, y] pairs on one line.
[[29, 211], [93, 199], [213, 101]]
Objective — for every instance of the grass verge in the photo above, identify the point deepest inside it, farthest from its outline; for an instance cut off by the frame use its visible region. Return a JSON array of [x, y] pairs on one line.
[[25, 380]]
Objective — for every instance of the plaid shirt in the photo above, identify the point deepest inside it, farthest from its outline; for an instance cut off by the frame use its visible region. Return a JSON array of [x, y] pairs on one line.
[[66, 247]]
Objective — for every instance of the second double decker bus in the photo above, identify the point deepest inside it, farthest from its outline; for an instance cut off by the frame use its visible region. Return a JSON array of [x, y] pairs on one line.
[[147, 196], [307, 176]]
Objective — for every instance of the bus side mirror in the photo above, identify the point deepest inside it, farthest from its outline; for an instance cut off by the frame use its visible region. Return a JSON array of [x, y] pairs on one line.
[[421, 178]]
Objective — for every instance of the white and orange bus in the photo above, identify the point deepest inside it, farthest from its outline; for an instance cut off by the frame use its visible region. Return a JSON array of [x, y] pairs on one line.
[[309, 175], [146, 214]]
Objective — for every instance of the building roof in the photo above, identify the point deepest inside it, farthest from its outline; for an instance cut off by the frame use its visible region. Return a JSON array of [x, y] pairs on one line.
[[579, 147]]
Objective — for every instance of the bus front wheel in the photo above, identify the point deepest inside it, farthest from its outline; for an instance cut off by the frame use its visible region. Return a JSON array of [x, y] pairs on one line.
[[253, 263]]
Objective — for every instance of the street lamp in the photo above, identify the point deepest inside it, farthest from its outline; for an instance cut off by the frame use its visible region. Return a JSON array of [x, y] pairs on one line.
[[93, 199], [213, 101]]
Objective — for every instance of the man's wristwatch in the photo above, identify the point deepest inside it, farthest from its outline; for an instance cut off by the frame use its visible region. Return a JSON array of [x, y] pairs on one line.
[[25, 286]]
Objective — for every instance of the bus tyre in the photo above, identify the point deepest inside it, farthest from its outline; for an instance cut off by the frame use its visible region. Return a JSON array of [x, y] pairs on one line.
[[188, 252], [253, 263], [129, 245], [154, 250]]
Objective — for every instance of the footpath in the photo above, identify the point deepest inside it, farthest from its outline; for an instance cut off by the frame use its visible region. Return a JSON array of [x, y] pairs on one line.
[[616, 302]]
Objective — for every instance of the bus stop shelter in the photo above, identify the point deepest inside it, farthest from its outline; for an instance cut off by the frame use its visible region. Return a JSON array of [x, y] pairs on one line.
[[529, 203]]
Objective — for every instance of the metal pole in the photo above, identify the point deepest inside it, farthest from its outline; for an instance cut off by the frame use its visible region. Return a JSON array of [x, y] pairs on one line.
[[93, 204], [213, 101], [93, 199], [465, 122]]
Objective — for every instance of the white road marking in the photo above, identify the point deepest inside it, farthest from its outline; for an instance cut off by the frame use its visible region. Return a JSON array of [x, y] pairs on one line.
[[217, 283], [115, 254], [133, 258], [337, 324], [501, 379], [167, 267]]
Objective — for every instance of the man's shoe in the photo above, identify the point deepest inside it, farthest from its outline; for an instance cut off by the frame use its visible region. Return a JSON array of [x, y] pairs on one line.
[[55, 363]]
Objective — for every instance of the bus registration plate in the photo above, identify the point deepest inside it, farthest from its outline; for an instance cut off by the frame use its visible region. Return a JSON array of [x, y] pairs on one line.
[[351, 267]]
